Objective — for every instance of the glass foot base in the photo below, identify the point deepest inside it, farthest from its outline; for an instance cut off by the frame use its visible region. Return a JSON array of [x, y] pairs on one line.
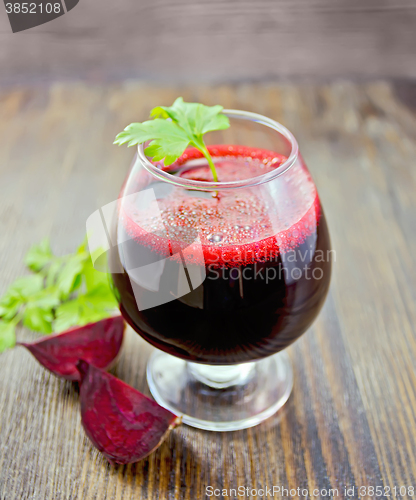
[[220, 398]]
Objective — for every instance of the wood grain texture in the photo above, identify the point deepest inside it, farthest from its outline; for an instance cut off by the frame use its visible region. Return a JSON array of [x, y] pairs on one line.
[[215, 41], [351, 420]]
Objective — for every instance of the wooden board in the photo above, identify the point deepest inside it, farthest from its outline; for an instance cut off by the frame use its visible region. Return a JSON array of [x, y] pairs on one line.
[[227, 40], [351, 420]]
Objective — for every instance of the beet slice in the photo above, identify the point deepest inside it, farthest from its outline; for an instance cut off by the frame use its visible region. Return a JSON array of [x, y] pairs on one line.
[[98, 343], [121, 422]]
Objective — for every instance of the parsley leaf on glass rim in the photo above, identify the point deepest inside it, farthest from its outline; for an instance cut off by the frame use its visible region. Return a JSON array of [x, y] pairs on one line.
[[62, 292], [174, 128]]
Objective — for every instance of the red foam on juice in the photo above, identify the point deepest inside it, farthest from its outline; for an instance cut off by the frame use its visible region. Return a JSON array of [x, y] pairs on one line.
[[223, 150], [237, 227]]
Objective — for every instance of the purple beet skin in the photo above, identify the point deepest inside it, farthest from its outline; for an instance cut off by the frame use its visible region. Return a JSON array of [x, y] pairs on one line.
[[122, 423], [97, 343]]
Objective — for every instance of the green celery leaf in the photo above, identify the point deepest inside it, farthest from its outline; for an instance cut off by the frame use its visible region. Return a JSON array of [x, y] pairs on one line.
[[173, 128], [92, 315], [77, 282], [168, 141], [83, 248], [7, 335], [39, 256], [92, 277], [67, 314], [72, 294], [101, 298], [10, 304], [46, 299], [137, 133], [67, 279], [27, 285], [95, 305], [196, 119], [53, 271], [89, 308], [38, 319]]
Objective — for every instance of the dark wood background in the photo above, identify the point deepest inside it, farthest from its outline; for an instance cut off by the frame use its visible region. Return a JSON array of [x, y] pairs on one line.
[[351, 420], [215, 41]]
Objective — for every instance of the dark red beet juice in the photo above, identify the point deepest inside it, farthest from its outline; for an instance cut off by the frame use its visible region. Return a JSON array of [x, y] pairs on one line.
[[265, 251]]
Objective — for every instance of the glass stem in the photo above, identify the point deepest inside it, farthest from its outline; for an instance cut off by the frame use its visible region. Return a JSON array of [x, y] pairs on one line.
[[222, 376]]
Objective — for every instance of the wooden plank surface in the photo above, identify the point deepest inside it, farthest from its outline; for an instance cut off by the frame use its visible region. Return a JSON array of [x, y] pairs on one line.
[[351, 420], [205, 40]]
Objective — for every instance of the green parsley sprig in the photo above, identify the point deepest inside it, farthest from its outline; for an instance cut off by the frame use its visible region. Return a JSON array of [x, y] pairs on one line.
[[174, 128], [61, 292]]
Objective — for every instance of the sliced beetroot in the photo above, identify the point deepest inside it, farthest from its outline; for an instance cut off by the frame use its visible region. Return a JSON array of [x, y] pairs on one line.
[[98, 343], [122, 423]]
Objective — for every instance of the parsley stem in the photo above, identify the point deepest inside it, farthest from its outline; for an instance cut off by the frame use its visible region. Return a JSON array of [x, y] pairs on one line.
[[205, 152]]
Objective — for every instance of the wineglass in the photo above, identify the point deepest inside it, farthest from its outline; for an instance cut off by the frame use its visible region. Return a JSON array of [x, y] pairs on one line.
[[222, 276]]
